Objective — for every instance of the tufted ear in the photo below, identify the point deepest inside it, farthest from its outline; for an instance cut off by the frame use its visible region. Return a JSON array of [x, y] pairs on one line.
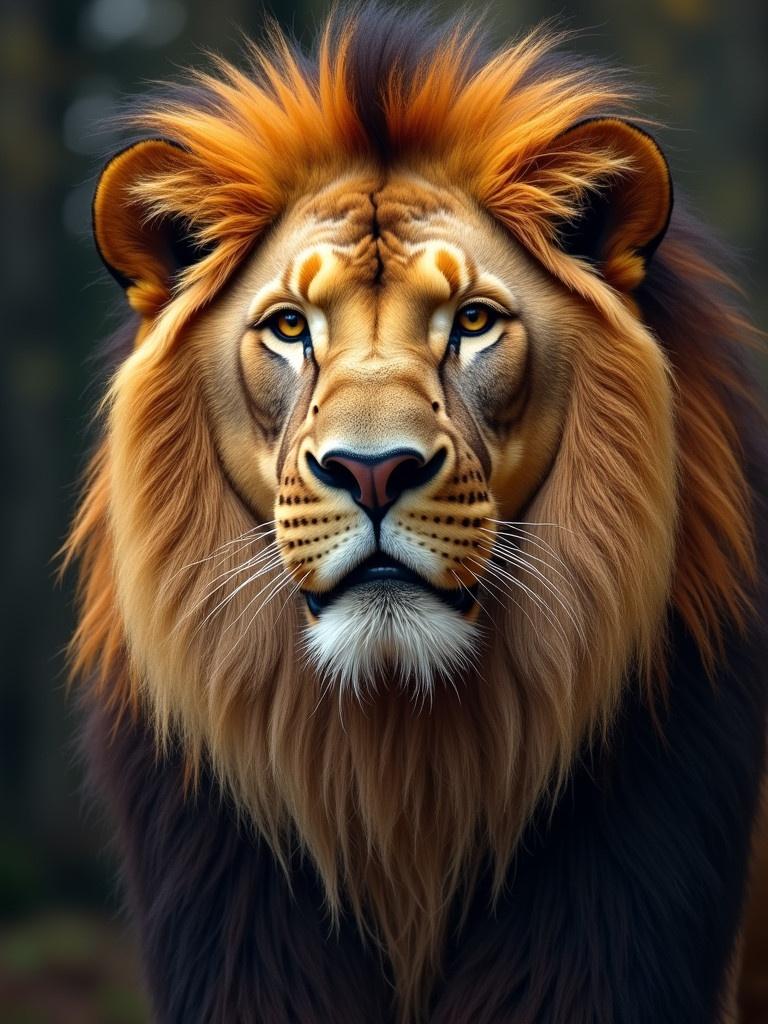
[[142, 251], [621, 223]]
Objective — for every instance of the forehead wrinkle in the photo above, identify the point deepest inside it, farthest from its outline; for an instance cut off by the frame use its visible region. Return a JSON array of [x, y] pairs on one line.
[[374, 238]]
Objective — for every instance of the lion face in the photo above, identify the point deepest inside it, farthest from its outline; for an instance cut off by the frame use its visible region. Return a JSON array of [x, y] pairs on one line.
[[387, 379]]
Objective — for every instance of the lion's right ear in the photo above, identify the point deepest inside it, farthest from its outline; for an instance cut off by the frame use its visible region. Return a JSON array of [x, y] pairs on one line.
[[142, 250]]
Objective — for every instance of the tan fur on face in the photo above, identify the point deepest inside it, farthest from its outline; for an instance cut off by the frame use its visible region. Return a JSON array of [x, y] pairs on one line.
[[207, 438]]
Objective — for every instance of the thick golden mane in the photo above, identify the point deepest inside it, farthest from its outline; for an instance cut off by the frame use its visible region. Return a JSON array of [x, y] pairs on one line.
[[398, 808]]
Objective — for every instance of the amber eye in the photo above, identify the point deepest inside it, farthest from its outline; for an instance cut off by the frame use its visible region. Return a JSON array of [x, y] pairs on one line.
[[475, 318], [289, 324]]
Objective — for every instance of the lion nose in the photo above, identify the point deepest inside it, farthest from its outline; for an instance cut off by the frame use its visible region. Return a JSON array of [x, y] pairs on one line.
[[375, 482]]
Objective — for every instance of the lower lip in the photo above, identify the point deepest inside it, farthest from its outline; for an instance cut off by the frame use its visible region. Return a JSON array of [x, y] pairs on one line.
[[459, 600]]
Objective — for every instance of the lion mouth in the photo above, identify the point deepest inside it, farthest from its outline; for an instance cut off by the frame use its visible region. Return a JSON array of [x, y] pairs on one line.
[[380, 568]]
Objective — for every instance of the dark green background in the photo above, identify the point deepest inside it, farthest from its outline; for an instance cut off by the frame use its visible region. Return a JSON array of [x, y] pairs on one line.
[[65, 67]]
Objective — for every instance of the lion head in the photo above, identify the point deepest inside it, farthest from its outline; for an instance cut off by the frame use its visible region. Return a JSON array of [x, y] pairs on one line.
[[412, 453]]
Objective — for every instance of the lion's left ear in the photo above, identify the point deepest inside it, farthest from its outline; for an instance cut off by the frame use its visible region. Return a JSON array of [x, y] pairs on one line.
[[621, 223], [142, 250]]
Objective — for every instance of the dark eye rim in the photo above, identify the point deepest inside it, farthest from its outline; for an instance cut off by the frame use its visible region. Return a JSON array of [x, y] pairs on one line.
[[495, 312], [494, 315], [270, 322]]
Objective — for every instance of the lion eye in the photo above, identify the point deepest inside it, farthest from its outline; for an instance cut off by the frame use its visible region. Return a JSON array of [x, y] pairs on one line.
[[475, 318], [289, 324]]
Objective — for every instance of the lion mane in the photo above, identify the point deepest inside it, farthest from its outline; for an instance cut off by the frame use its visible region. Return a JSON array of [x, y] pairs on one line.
[[402, 812]]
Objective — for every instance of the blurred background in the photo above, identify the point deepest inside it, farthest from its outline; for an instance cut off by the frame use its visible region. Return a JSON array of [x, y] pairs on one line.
[[65, 67]]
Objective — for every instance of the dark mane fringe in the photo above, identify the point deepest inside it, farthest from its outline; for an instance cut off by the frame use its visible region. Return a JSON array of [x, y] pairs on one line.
[[671, 296], [393, 40], [692, 303]]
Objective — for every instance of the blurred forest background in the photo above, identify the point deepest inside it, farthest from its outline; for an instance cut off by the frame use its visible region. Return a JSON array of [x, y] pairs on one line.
[[66, 65]]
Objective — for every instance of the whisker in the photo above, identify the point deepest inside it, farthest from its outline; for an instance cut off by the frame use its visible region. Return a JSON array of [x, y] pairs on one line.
[[481, 583], [290, 595], [536, 598], [244, 537], [274, 563], [223, 557], [517, 544], [517, 531], [519, 560], [525, 523], [219, 555], [281, 576], [247, 536], [229, 575], [269, 551], [462, 586], [529, 539], [282, 581], [505, 575], [247, 532], [517, 557], [485, 584], [493, 589], [506, 538]]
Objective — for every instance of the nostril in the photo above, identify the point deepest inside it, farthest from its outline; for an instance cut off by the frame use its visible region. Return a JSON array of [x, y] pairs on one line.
[[333, 473], [343, 477], [403, 477], [427, 472]]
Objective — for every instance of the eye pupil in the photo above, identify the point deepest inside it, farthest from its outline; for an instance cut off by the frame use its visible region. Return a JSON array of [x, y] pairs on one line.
[[475, 319], [290, 324]]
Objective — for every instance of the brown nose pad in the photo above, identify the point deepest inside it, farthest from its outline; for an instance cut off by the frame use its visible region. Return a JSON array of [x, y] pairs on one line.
[[375, 482]]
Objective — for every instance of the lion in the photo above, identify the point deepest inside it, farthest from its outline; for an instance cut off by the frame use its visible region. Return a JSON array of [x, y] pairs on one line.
[[418, 556]]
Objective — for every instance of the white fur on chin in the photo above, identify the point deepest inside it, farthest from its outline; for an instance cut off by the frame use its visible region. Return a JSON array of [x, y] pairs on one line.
[[390, 628]]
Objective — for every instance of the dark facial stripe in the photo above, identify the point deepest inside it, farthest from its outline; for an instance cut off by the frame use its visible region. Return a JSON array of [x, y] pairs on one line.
[[459, 413], [267, 430], [307, 383], [517, 402]]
